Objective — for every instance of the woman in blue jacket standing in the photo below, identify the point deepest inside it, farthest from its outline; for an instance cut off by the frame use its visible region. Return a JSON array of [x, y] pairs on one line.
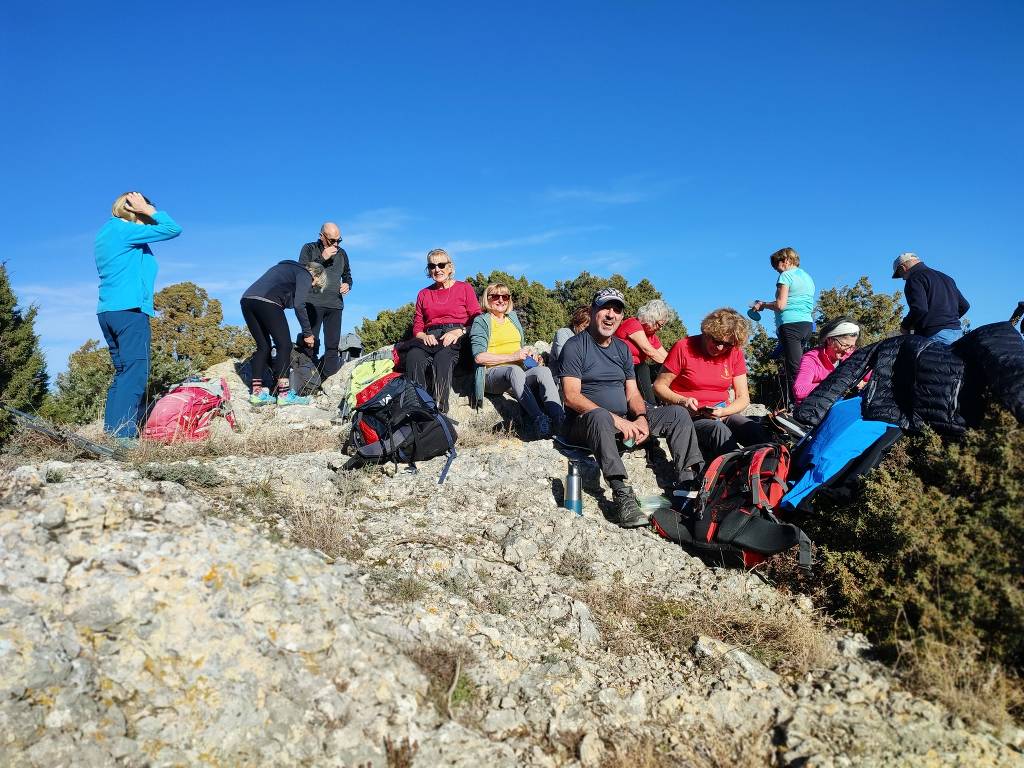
[[127, 271]]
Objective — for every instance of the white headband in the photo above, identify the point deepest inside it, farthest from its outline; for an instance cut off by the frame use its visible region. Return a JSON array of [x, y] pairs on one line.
[[844, 329]]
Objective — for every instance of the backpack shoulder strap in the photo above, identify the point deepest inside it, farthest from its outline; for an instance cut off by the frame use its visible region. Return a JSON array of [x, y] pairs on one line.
[[769, 454], [712, 474]]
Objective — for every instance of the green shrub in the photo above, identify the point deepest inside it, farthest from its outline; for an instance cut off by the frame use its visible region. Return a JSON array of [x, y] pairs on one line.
[[23, 377], [191, 475], [932, 549], [82, 389]]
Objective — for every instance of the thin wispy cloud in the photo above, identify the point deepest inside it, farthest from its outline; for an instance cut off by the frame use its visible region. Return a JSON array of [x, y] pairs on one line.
[[628, 191], [471, 246], [369, 228], [602, 197], [66, 319], [596, 261]]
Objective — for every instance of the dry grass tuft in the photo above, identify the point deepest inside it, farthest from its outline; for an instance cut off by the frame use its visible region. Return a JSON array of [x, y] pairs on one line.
[[704, 747], [482, 428], [399, 754], [506, 501], [27, 447], [256, 441], [449, 688], [259, 495], [324, 522], [575, 565], [789, 643], [963, 681]]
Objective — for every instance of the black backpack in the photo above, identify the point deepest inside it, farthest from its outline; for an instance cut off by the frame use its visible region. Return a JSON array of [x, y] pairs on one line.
[[401, 423], [305, 378], [733, 512]]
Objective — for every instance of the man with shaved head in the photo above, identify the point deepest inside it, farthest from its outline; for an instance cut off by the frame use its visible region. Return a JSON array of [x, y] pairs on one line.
[[325, 308]]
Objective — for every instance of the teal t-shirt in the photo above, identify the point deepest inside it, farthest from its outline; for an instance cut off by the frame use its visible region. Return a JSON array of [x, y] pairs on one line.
[[800, 304]]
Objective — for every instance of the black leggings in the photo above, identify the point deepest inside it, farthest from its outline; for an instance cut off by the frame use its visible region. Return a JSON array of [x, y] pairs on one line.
[[792, 337], [267, 324]]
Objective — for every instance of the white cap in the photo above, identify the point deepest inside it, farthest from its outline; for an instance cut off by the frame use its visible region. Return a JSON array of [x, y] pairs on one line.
[[902, 259]]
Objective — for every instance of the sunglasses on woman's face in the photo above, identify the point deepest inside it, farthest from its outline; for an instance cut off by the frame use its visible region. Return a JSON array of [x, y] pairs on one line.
[[434, 266], [719, 343], [499, 296]]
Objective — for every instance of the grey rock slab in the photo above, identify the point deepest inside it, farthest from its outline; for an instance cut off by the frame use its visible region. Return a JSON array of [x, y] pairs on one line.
[[715, 650]]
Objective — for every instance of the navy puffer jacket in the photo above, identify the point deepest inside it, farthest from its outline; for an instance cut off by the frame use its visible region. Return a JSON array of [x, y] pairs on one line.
[[917, 381]]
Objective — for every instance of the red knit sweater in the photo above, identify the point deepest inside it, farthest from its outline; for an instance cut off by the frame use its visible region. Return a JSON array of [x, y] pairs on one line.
[[443, 306]]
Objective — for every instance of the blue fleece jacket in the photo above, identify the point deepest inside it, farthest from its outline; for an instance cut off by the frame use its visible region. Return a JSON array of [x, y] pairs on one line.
[[126, 265]]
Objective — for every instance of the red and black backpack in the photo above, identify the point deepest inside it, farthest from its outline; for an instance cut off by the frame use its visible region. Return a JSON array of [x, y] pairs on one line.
[[734, 511], [395, 420]]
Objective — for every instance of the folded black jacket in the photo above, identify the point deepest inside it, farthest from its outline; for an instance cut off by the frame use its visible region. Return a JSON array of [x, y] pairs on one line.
[[917, 381]]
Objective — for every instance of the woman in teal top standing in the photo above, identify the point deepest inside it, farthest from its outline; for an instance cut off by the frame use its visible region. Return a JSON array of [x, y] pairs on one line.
[[127, 271], [794, 307]]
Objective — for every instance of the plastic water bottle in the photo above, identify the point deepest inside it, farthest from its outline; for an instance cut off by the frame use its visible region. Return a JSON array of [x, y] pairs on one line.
[[574, 489]]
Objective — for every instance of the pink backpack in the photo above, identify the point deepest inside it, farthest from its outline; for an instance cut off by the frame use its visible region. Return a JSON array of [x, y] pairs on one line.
[[185, 412]]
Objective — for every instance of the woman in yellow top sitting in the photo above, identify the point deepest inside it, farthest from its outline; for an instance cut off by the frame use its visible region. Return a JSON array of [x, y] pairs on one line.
[[496, 338]]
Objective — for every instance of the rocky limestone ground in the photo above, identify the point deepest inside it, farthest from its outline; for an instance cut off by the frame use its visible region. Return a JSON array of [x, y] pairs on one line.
[[269, 610]]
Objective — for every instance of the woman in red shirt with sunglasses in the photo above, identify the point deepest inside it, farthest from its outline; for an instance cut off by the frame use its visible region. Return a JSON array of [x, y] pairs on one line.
[[443, 313], [701, 372]]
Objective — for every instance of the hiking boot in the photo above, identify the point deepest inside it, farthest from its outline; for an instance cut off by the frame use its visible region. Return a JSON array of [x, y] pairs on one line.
[[263, 398], [627, 509], [292, 399], [542, 427]]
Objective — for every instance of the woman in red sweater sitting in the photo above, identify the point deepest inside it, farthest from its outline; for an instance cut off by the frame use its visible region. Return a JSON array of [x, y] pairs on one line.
[[444, 310], [700, 374]]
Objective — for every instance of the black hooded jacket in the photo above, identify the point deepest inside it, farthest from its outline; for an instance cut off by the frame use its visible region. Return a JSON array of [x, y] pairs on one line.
[[917, 381]]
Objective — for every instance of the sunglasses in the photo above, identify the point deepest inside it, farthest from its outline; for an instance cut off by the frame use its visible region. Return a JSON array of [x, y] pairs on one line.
[[499, 296], [719, 343], [438, 265], [330, 240]]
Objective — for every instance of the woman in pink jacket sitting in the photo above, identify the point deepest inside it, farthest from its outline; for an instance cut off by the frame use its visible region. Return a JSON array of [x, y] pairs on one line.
[[838, 340], [444, 311]]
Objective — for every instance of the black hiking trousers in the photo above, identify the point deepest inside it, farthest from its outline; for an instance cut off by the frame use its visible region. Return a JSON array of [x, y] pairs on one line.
[[596, 430], [419, 359], [329, 319]]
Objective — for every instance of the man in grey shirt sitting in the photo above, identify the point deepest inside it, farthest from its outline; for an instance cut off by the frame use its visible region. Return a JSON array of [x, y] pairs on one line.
[[603, 405]]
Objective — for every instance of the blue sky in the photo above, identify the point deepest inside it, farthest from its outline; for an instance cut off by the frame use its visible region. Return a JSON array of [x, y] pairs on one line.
[[682, 142]]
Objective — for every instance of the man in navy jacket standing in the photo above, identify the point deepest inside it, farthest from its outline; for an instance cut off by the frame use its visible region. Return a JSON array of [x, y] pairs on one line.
[[936, 304], [325, 308]]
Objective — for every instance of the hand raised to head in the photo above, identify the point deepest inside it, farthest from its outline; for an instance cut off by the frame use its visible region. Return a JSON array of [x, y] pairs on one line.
[[136, 203]]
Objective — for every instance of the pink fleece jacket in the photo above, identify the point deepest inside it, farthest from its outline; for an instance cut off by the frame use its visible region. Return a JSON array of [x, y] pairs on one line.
[[443, 306], [814, 369]]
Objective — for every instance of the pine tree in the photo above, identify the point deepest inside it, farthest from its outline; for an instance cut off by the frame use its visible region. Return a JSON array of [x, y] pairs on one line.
[[23, 379]]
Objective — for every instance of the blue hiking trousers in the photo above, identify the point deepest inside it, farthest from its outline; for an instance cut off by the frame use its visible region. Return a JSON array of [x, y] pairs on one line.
[[127, 334]]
